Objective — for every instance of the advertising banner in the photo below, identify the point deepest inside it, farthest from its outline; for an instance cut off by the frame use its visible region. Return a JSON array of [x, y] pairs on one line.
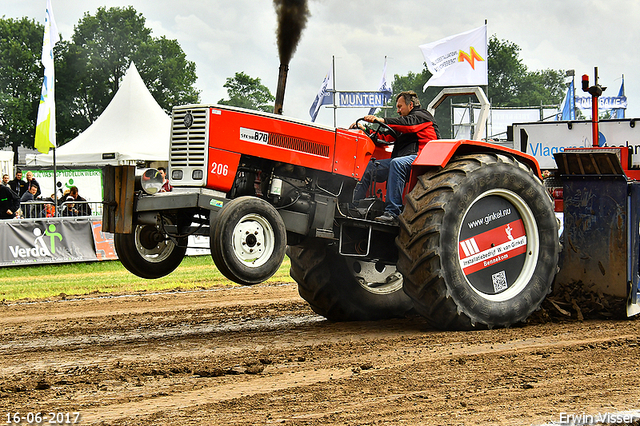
[[64, 240], [53, 240], [105, 250], [88, 181], [543, 139], [604, 102]]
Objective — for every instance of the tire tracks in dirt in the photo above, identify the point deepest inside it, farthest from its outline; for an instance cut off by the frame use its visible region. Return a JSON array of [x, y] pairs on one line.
[[260, 356]]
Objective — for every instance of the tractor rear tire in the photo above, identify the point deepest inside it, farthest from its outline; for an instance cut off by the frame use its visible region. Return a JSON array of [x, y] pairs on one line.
[[343, 288], [478, 243]]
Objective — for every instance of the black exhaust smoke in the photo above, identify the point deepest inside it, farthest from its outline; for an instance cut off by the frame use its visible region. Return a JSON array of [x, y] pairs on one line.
[[292, 18]]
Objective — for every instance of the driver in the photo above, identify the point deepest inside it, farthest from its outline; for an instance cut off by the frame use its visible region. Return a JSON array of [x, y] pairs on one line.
[[416, 127]]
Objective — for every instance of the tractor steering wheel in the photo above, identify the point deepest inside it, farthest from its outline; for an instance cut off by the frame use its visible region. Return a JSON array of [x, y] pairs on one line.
[[377, 131]]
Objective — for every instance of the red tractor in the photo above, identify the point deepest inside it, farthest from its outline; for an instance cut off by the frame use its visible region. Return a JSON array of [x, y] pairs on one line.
[[477, 244]]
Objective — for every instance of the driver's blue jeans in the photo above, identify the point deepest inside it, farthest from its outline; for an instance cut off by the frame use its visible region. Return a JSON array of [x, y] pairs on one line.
[[395, 171]]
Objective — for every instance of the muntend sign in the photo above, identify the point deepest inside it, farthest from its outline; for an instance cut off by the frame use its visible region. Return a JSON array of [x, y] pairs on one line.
[[362, 99]]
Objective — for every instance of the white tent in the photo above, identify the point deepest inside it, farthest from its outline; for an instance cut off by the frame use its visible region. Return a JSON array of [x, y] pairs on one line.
[[133, 128]]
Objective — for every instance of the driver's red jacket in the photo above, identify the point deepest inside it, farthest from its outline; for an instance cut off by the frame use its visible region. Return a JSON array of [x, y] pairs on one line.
[[415, 130]]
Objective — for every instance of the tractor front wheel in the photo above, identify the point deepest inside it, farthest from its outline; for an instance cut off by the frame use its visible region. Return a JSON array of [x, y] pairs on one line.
[[148, 252], [248, 240]]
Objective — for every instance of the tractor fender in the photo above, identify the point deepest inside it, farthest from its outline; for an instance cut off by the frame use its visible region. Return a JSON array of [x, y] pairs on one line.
[[438, 153]]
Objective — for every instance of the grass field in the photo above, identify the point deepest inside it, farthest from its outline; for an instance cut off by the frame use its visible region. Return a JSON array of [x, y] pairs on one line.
[[41, 282]]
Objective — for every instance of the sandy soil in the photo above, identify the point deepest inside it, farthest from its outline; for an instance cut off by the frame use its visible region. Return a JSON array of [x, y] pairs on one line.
[[259, 355]]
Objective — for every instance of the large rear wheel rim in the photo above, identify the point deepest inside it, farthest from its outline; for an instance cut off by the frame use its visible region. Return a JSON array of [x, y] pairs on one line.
[[498, 263], [375, 277]]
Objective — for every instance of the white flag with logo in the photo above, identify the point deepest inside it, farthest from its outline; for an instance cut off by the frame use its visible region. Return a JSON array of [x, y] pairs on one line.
[[46, 121], [324, 96], [459, 60], [383, 87]]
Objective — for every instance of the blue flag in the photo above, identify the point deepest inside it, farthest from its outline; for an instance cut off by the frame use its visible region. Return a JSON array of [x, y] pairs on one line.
[[324, 96], [384, 87], [568, 106], [619, 112]]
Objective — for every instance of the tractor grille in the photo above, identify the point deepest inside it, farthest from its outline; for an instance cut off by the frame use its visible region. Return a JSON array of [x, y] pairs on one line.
[[300, 145], [189, 144]]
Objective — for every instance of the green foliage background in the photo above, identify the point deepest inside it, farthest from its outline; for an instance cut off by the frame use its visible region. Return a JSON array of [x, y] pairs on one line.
[[90, 67]]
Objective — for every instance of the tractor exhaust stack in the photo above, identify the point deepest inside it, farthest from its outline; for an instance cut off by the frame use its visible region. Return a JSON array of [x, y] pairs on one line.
[[282, 82]]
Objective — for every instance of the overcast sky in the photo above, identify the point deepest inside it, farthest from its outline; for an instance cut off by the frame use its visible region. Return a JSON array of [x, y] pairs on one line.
[[225, 37]]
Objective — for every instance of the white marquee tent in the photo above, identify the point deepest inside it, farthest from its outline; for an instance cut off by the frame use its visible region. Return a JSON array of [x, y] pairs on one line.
[[133, 128]]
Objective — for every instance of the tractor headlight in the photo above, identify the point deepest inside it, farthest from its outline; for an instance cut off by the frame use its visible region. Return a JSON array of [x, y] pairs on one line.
[[197, 175]]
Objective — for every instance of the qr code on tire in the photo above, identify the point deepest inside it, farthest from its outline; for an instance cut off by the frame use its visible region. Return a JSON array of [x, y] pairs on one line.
[[499, 281]]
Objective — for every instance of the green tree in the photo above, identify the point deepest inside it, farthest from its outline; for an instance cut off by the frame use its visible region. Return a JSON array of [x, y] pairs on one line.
[[506, 70], [511, 84], [247, 92], [95, 60], [21, 75], [168, 74]]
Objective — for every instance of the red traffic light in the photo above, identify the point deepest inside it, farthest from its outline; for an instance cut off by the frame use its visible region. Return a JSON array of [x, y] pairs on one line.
[[585, 83]]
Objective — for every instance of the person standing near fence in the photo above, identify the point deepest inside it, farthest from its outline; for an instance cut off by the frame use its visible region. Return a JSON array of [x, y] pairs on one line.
[[83, 206], [50, 207], [27, 198], [9, 202], [70, 207], [31, 181], [18, 185]]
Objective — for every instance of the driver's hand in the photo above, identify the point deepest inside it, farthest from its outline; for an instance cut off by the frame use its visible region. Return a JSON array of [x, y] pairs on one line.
[[373, 119]]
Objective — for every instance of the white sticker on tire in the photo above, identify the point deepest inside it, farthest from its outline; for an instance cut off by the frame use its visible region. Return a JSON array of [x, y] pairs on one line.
[[499, 281]]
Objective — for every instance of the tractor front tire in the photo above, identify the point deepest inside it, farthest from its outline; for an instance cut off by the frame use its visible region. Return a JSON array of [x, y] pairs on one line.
[[148, 253], [248, 240], [343, 288], [478, 243]]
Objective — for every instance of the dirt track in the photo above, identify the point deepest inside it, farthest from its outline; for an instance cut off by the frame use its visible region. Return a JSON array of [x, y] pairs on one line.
[[259, 355]]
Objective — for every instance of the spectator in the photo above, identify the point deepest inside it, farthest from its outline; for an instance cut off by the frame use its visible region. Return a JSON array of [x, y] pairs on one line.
[[6, 183], [31, 181], [65, 194], [83, 207], [166, 186], [50, 207], [9, 203], [18, 185], [30, 197], [69, 207]]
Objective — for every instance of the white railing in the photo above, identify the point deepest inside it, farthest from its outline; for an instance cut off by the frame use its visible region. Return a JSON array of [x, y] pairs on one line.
[[44, 209]]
